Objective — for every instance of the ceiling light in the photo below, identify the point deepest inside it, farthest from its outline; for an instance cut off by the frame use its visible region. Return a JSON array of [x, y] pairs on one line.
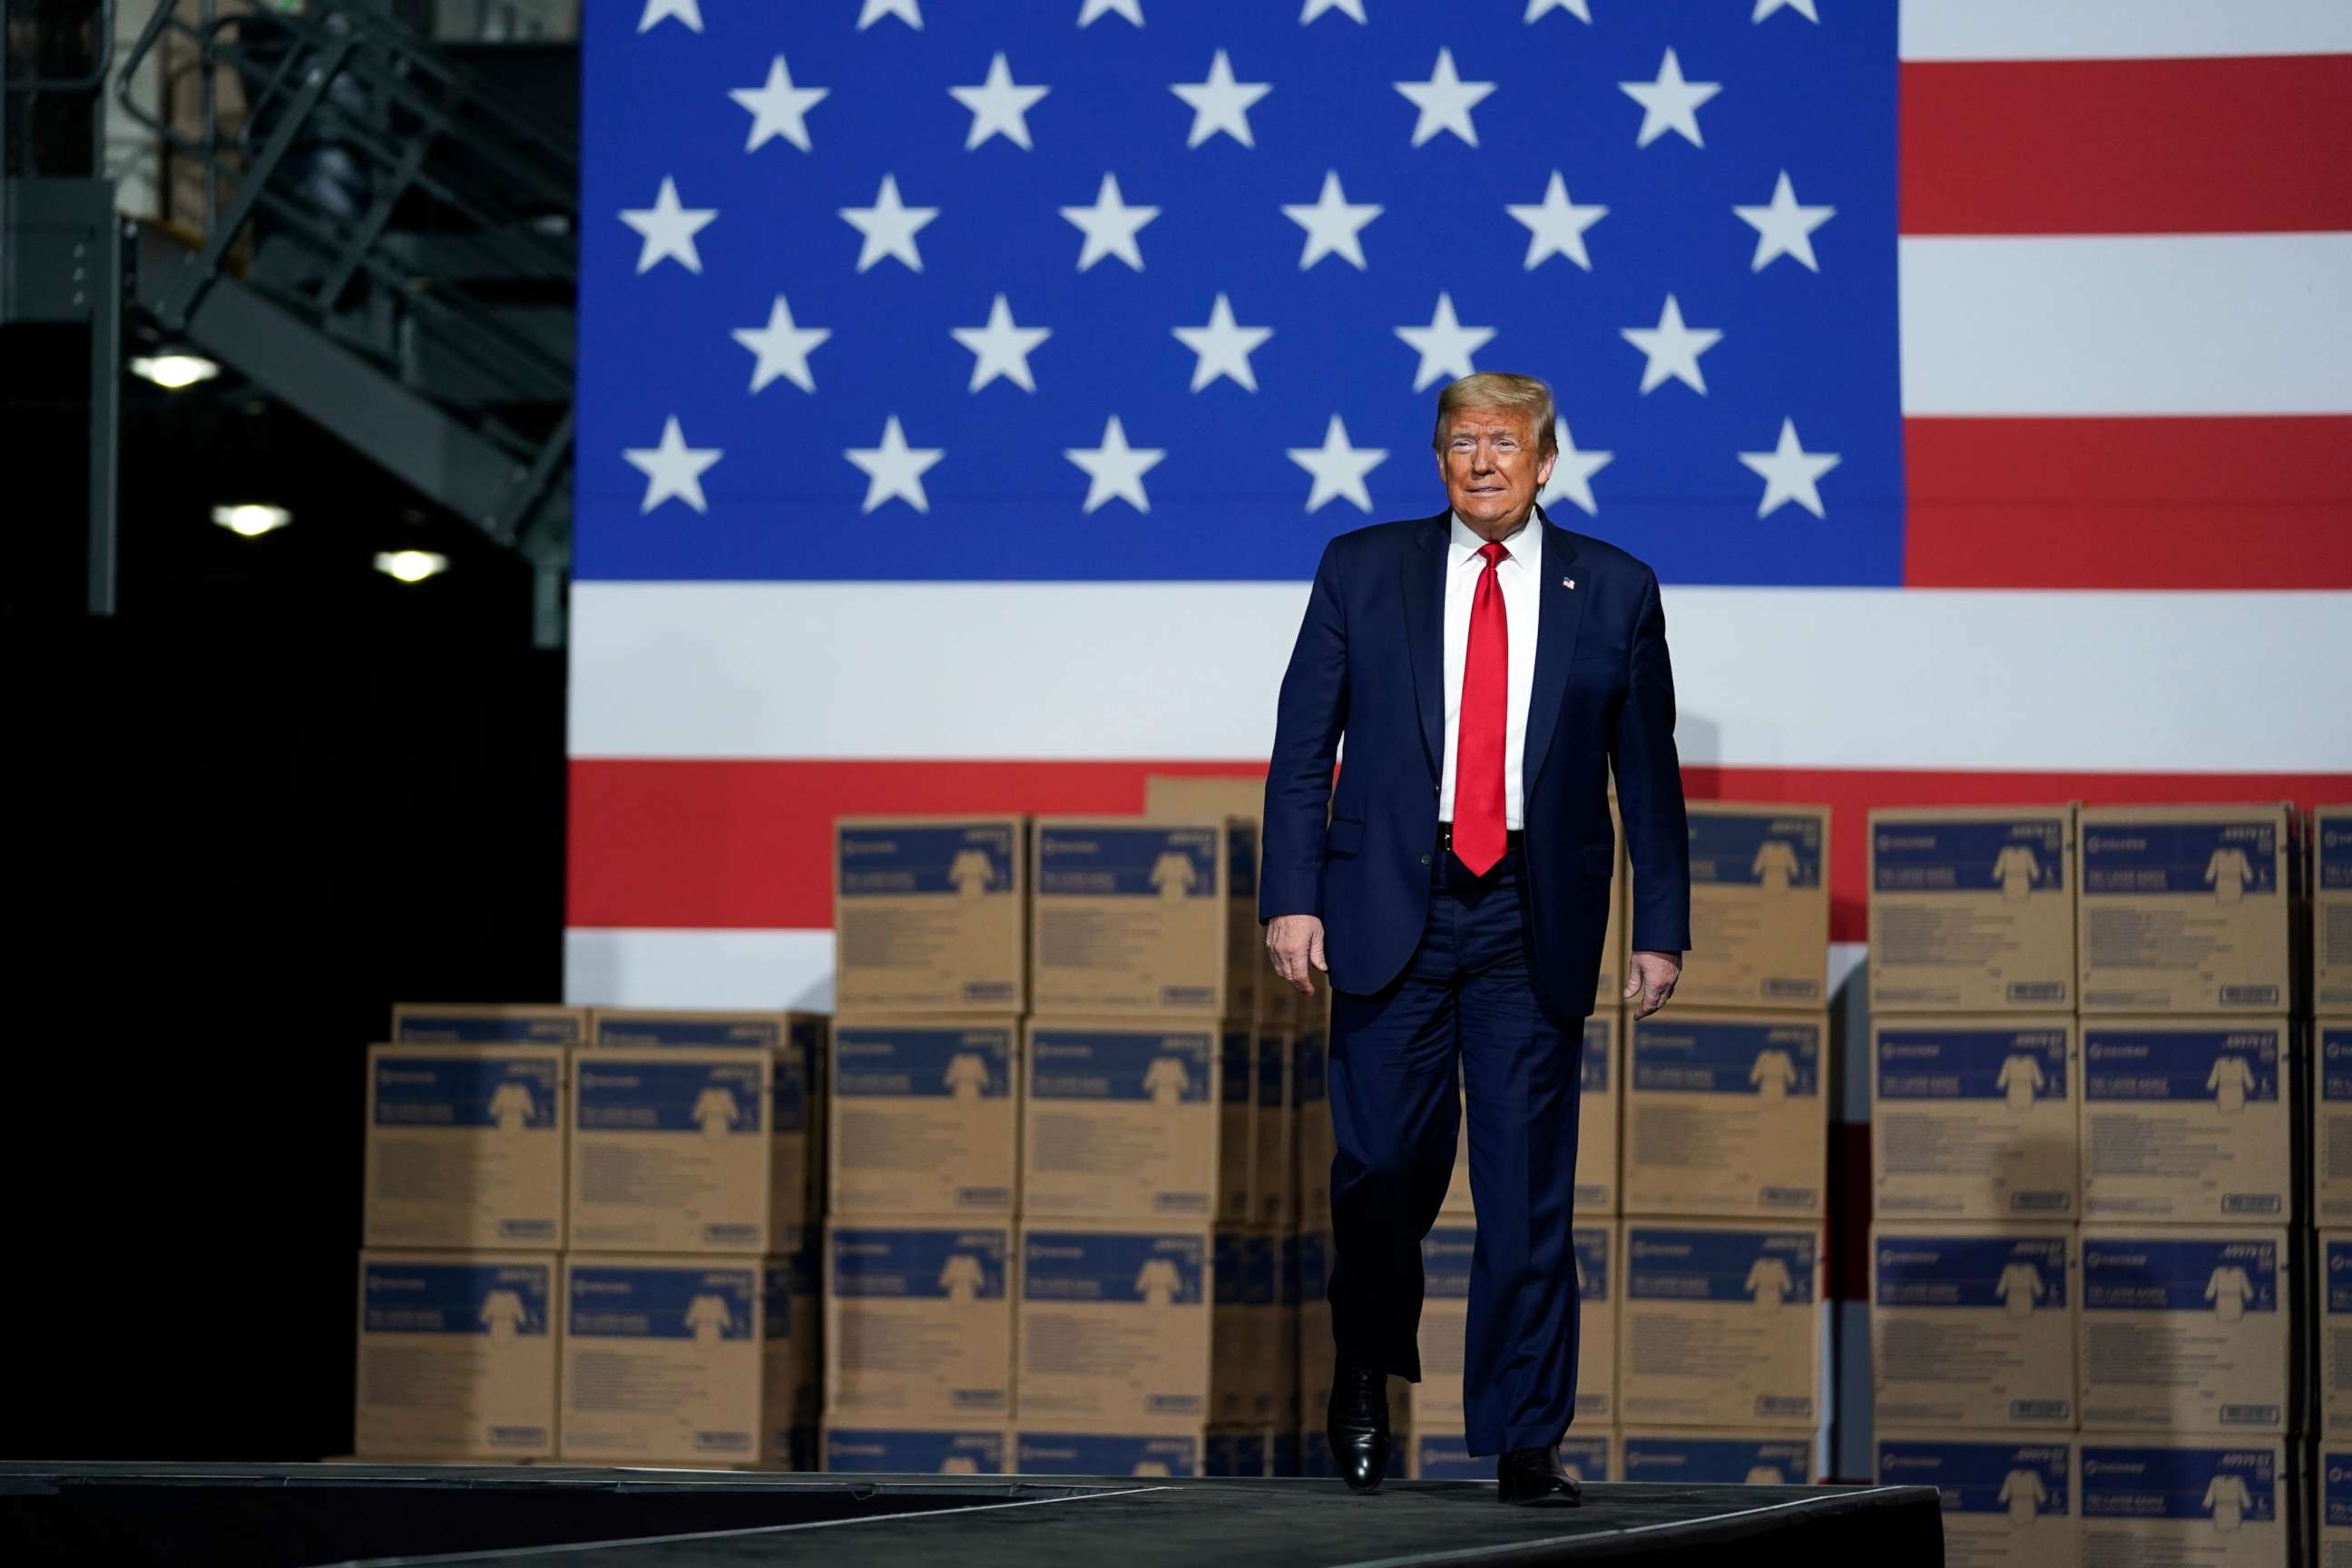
[[411, 565], [174, 371], [251, 520]]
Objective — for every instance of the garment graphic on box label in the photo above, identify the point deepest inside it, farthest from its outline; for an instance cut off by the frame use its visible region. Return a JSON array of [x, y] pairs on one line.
[[503, 1314], [2229, 1291], [1157, 1282], [966, 1077], [1775, 865], [958, 1465], [716, 1111], [1173, 874], [1766, 1475], [2020, 1286], [2229, 1080], [2024, 1493], [2016, 868], [968, 872], [2021, 1078], [1773, 1075], [960, 1277], [2229, 1499], [510, 1107], [2229, 873], [1151, 1468], [1165, 1080], [708, 1317], [1769, 1283]]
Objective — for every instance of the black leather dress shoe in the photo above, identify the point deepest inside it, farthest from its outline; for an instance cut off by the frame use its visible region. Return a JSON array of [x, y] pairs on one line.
[[1532, 1477], [1358, 1424]]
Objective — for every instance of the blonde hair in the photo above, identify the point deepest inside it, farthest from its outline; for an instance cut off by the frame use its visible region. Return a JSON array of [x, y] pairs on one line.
[[1495, 389]]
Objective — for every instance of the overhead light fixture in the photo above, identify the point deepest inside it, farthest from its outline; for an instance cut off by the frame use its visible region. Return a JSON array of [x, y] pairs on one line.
[[411, 565], [174, 371], [251, 520]]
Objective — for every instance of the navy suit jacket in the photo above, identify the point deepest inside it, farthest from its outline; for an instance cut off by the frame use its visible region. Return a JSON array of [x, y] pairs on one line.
[[1370, 665]]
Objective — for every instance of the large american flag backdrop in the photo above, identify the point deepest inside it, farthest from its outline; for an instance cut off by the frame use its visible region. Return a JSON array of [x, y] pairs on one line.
[[969, 386]]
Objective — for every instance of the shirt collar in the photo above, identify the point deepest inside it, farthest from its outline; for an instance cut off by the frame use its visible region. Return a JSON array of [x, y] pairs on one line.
[[1521, 546]]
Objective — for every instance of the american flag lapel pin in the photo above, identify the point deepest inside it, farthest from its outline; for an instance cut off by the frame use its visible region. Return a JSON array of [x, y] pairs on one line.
[[1568, 581]]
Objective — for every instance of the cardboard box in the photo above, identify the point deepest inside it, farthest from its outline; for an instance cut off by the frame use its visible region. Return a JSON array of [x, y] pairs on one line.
[[2332, 1485], [1973, 1325], [794, 1041], [1239, 1453], [1971, 909], [1120, 1118], [1192, 797], [2331, 1122], [1133, 916], [1314, 1142], [1446, 1256], [941, 1450], [918, 1319], [1717, 1457], [1601, 1076], [1165, 1450], [670, 1150], [1461, 1202], [456, 1355], [1236, 1122], [465, 1146], [924, 1119], [1760, 906], [2189, 1121], [662, 1358], [1596, 1323], [930, 914], [1720, 1326], [2331, 909], [2188, 1330], [2333, 1300], [1725, 1115], [1974, 1118], [2009, 1498], [2188, 908], [1287, 1277], [1444, 1455], [791, 1360], [486, 1024], [1278, 1126], [1609, 990], [2154, 1501], [1114, 1321], [1244, 1363]]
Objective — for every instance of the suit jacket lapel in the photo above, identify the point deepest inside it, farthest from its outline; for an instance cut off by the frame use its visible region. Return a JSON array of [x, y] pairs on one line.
[[1558, 621], [1424, 580]]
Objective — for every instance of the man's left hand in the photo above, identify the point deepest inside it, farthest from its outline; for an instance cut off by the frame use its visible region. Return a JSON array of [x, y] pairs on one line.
[[1651, 981]]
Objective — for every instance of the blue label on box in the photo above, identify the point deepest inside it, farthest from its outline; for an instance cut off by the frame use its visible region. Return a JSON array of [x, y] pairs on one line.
[[2148, 1274], [1768, 1269], [967, 859], [1749, 850], [882, 1450], [1933, 1063], [685, 1301], [1257, 1270], [1236, 1084], [506, 1092], [1284, 1454], [2027, 855], [1241, 859], [1314, 1266], [1446, 1255], [490, 1299], [1233, 1454], [1106, 1454], [1286, 1269], [1142, 861], [1227, 1287], [2335, 1276], [1307, 1069], [2336, 1488], [1147, 1267], [2334, 851], [1719, 1461], [800, 1270], [765, 1034], [2335, 1061], [1592, 1264], [1273, 1076], [1704, 1056], [456, 1025], [1593, 1064], [2229, 1486], [1445, 1456], [953, 1265], [2224, 859], [919, 1061], [788, 1099], [780, 1280], [2013, 1479], [2013, 1274], [2231, 1067], [1162, 1067], [630, 1096]]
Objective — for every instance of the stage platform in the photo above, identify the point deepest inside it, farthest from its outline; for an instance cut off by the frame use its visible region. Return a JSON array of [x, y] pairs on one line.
[[547, 1516]]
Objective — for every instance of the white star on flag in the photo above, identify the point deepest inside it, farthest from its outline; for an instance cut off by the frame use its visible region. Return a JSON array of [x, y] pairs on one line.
[[889, 226], [1332, 225], [1222, 347], [1571, 473], [1002, 348], [908, 11], [781, 348], [895, 470], [1314, 8], [1669, 103], [1673, 348], [1339, 467], [1111, 226], [1573, 7], [1130, 9], [999, 108], [1445, 345], [669, 229], [1784, 228], [1801, 7], [1556, 226], [1791, 473], [687, 11], [777, 106], [672, 468], [1115, 470], [1444, 100], [1220, 103]]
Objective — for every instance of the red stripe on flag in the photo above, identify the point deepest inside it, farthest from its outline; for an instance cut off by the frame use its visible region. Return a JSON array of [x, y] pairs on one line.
[[748, 845], [2204, 502], [2257, 144]]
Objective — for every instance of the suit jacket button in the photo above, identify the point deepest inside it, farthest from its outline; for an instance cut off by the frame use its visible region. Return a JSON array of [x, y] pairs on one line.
[[1424, 860]]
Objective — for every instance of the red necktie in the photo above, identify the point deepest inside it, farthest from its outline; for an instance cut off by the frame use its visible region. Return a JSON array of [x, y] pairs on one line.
[[1486, 713]]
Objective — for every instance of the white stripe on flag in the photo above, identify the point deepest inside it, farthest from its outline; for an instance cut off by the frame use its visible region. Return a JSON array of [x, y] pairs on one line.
[[747, 970], [2121, 29]]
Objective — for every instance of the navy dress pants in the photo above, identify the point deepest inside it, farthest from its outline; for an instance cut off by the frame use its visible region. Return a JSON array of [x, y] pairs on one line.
[[1464, 1005]]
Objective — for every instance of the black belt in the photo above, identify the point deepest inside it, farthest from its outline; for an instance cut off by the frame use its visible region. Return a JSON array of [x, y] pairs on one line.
[[1513, 838]]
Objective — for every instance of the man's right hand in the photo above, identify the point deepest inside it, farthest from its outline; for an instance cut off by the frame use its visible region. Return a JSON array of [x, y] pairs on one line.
[[1294, 943]]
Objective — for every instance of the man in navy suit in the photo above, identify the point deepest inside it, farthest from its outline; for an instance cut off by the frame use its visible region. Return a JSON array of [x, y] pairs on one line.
[[1488, 671]]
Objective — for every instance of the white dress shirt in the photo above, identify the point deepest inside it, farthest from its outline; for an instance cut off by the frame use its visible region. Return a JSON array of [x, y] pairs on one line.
[[1518, 574]]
